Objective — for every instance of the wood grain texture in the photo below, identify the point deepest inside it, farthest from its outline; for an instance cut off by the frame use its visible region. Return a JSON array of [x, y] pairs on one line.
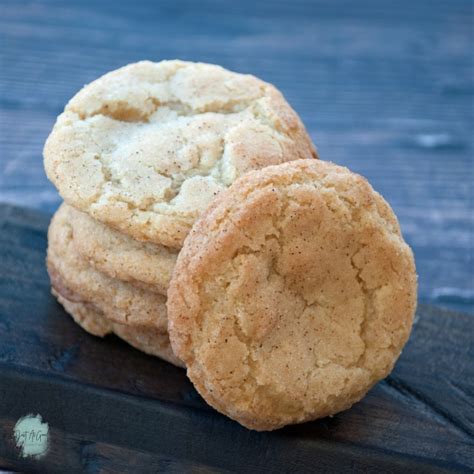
[[385, 88], [111, 408]]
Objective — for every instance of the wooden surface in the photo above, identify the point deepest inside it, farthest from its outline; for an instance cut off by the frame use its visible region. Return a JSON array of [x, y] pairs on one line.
[[385, 88], [111, 408]]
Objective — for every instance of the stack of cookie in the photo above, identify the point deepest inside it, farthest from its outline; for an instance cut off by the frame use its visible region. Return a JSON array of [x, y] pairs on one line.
[[200, 228], [137, 156]]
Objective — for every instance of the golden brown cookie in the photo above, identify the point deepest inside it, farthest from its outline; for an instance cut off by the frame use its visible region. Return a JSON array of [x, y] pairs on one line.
[[145, 265], [119, 303], [293, 295], [146, 148]]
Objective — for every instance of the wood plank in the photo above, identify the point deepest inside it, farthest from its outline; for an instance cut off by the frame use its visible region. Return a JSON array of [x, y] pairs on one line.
[[110, 407]]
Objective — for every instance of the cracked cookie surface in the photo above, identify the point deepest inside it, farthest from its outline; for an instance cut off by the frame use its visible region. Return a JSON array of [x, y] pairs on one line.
[[145, 265], [147, 147], [293, 295], [120, 304]]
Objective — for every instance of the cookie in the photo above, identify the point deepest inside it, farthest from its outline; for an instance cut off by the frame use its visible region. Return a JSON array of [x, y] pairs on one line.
[[144, 265], [119, 302], [292, 296], [144, 338], [146, 148], [85, 314]]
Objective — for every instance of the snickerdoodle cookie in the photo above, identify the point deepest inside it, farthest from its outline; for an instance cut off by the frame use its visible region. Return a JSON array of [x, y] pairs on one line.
[[119, 303], [143, 264], [293, 295], [145, 148]]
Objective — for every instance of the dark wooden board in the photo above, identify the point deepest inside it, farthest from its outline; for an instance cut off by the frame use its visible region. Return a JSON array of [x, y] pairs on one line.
[[111, 408], [385, 88]]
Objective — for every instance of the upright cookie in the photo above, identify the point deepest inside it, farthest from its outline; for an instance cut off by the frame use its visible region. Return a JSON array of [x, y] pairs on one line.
[[143, 264], [102, 304], [293, 295], [145, 148]]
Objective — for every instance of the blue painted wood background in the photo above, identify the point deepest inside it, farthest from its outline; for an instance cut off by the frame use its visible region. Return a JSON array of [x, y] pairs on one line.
[[385, 88]]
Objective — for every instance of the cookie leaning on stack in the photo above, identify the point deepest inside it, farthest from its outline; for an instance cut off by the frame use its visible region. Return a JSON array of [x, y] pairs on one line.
[[137, 156], [293, 294]]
